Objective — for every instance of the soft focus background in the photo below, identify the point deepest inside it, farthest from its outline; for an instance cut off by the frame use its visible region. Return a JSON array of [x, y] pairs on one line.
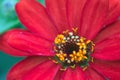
[[8, 20]]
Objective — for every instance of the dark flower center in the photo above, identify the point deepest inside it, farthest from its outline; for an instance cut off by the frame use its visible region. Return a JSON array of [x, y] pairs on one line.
[[72, 50], [70, 47]]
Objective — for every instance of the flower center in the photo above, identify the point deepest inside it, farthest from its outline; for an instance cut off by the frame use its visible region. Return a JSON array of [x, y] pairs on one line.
[[72, 50], [69, 47]]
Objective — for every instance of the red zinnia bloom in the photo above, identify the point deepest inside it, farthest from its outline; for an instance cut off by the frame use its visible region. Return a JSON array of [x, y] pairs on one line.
[[66, 40]]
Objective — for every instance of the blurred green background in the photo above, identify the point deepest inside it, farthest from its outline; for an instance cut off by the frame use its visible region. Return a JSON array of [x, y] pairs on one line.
[[8, 20]]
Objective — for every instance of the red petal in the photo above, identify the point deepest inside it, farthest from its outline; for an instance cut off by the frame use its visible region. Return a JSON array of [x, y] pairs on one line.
[[93, 17], [108, 43], [111, 70], [108, 50], [109, 31], [10, 50], [74, 11], [73, 74], [57, 11], [34, 16], [28, 42], [58, 76], [93, 75], [44, 71], [21, 68], [114, 11]]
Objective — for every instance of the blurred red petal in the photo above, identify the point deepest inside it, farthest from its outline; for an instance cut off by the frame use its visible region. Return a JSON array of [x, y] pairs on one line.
[[109, 31], [73, 74], [111, 70], [108, 49], [5, 47], [91, 74], [57, 11], [21, 68], [108, 43], [34, 16], [74, 11], [44, 71], [114, 11], [58, 76], [28, 42], [93, 18]]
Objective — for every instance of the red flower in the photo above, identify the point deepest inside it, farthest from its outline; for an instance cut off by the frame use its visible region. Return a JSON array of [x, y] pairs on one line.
[[58, 42]]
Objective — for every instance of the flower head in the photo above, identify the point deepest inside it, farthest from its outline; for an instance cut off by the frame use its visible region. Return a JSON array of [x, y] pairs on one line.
[[65, 40]]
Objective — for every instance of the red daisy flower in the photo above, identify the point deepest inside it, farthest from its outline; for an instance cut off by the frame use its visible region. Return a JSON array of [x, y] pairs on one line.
[[66, 40]]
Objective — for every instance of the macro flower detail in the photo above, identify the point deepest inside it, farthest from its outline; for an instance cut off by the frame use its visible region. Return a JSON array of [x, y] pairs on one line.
[[72, 50], [65, 40]]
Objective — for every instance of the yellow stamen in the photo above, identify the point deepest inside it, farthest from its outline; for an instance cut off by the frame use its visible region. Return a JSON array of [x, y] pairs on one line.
[[88, 41], [75, 29], [65, 32], [92, 49], [63, 69], [92, 59], [82, 39], [55, 61], [59, 39], [77, 56], [84, 68], [61, 56], [73, 66]]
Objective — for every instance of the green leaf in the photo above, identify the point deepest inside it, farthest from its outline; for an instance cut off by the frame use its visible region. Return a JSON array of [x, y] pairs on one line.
[[41, 1], [8, 17], [6, 62], [6, 26]]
